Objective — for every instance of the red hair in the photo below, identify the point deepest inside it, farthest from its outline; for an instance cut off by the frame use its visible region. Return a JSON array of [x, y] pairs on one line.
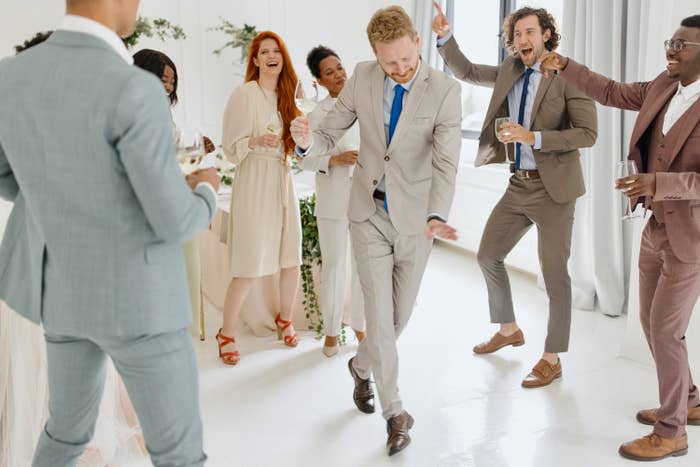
[[286, 84]]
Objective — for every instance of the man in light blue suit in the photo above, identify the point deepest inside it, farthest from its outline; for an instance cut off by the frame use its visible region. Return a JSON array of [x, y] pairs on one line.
[[93, 248]]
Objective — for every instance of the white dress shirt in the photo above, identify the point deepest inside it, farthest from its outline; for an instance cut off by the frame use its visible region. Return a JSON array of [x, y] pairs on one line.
[[680, 102]]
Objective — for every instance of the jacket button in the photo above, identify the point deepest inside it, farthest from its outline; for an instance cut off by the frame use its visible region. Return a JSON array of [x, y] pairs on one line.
[[386, 158], [374, 182]]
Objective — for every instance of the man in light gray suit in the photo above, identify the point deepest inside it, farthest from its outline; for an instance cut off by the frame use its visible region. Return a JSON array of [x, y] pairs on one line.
[[402, 189], [102, 212]]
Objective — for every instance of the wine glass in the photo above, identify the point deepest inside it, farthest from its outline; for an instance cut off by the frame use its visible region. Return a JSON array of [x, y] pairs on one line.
[[274, 126], [190, 149], [622, 170], [501, 134], [306, 95]]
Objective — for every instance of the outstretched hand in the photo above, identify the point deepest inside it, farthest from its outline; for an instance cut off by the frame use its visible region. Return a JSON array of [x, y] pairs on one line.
[[552, 61]]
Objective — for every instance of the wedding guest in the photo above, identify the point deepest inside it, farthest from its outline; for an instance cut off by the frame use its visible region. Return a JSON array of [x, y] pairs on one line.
[[665, 145], [95, 251], [402, 189], [547, 177], [264, 226], [24, 386], [333, 180], [164, 68]]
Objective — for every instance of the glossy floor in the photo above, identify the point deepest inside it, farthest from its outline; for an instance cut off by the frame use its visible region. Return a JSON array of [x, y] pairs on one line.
[[293, 407]]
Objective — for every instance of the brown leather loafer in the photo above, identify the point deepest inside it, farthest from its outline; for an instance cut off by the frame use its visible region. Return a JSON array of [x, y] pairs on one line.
[[542, 374], [397, 428], [498, 341], [648, 416], [653, 447], [363, 395]]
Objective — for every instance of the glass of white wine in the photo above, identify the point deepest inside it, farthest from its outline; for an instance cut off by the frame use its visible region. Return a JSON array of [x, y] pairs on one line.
[[622, 170], [306, 95], [500, 134], [190, 149]]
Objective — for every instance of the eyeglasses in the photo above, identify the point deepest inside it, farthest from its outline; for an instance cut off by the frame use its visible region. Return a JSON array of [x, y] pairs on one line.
[[677, 44]]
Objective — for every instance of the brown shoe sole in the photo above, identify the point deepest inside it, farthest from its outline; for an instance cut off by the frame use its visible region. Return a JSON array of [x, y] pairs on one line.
[[647, 421], [535, 385], [483, 352], [626, 455]]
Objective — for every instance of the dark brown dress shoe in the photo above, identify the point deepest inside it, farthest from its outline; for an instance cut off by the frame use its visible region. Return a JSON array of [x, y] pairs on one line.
[[648, 416], [542, 374], [397, 428], [499, 340], [363, 395], [653, 447]]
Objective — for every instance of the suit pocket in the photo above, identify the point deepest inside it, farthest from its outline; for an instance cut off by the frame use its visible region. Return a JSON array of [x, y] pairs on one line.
[[695, 211], [421, 121]]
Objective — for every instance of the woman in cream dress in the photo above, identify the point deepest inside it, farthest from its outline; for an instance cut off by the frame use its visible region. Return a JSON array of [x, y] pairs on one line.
[[333, 181], [264, 235]]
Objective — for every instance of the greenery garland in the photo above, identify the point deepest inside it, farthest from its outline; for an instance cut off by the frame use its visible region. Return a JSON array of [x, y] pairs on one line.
[[240, 38], [160, 27]]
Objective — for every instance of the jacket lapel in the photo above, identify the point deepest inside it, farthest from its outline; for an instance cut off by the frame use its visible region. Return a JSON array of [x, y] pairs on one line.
[[377, 100], [541, 91], [688, 121], [413, 100], [647, 116], [507, 77]]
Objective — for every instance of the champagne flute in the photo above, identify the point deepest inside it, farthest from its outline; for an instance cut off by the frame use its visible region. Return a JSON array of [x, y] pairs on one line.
[[190, 149], [627, 169], [306, 96], [502, 134], [274, 126]]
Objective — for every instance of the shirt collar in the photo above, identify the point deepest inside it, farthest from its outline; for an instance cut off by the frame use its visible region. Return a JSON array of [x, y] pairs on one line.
[[84, 25], [689, 91], [535, 67], [406, 86]]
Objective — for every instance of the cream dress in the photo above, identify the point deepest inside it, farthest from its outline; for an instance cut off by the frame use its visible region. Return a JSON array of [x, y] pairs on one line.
[[264, 231]]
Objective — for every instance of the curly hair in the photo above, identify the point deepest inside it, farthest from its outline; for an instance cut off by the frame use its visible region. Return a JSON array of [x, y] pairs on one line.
[[285, 85], [545, 19], [389, 24], [36, 40]]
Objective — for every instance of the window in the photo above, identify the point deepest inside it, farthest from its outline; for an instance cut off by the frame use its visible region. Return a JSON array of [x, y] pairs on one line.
[[478, 32]]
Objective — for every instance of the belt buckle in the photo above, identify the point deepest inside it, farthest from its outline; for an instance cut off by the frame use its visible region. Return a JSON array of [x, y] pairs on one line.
[[524, 174]]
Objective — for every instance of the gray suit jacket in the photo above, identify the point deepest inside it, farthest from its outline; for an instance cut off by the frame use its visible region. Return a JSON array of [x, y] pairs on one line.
[[565, 116], [420, 163], [94, 243]]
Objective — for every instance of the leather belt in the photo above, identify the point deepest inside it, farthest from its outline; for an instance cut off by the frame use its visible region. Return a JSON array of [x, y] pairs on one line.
[[380, 195], [527, 174]]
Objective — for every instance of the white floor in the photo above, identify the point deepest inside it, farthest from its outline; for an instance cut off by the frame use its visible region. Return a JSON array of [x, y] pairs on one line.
[[293, 407]]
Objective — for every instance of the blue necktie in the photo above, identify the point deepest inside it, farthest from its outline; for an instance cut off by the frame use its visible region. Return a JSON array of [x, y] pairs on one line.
[[521, 114], [396, 106]]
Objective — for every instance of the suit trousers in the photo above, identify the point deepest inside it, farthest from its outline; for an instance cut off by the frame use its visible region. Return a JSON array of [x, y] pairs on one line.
[[390, 267], [524, 203], [333, 238], [668, 291], [160, 375]]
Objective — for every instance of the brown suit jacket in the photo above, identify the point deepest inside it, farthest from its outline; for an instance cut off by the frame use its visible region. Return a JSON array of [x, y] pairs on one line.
[[565, 116], [678, 179]]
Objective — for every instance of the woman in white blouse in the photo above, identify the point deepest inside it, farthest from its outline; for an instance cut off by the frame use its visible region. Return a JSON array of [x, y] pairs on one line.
[[264, 235], [333, 180]]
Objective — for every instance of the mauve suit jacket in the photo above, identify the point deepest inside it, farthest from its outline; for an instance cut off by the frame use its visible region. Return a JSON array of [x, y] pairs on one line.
[[564, 115], [677, 180]]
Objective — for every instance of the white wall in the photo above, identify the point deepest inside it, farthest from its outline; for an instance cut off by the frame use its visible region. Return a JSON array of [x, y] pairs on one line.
[[205, 79]]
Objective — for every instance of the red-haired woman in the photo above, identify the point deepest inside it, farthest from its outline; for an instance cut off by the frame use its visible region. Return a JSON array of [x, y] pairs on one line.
[[264, 225]]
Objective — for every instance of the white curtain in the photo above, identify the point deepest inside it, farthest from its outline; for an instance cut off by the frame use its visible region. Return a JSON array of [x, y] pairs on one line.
[[594, 35], [423, 18]]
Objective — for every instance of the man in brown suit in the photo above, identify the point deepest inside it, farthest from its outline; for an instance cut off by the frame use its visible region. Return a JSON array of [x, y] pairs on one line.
[[666, 147], [554, 121]]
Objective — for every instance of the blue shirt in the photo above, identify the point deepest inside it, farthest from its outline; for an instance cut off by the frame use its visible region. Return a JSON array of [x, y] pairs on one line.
[[527, 158]]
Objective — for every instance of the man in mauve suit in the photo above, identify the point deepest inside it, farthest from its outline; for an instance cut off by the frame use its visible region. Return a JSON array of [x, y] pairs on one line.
[[402, 188], [554, 120], [665, 145], [93, 246]]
